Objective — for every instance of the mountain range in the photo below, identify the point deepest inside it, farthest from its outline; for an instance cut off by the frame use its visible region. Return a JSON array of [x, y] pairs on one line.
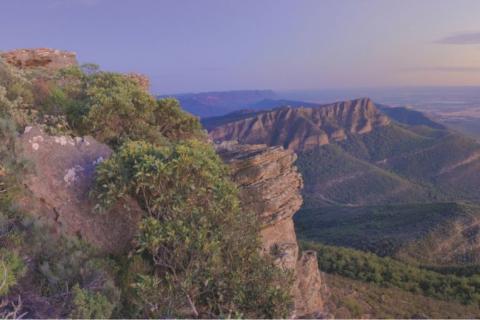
[[378, 178], [216, 103]]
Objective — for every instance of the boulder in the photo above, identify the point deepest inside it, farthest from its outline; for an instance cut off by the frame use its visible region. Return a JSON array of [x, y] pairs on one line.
[[58, 187]]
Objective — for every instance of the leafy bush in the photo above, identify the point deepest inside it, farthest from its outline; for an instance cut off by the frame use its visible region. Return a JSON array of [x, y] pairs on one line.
[[203, 252], [90, 305], [115, 108]]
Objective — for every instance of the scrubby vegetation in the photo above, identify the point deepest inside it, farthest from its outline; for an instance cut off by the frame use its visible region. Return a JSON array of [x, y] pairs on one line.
[[388, 272], [358, 299], [196, 253], [413, 231]]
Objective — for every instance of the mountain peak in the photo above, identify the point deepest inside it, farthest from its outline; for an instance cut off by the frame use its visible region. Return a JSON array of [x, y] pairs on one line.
[[302, 128]]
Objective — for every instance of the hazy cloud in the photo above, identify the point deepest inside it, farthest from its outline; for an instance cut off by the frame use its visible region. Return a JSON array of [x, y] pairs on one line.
[[67, 3], [445, 69], [461, 38]]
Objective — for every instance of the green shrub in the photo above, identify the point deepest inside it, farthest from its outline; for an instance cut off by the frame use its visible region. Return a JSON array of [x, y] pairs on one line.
[[90, 305], [11, 269], [16, 97], [114, 108], [203, 251]]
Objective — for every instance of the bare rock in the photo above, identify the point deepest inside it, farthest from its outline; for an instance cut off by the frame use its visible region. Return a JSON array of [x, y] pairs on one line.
[[58, 190], [270, 185], [308, 284], [270, 182], [45, 58], [301, 128]]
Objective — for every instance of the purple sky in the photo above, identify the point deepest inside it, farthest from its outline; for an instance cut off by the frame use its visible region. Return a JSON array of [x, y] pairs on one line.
[[201, 45]]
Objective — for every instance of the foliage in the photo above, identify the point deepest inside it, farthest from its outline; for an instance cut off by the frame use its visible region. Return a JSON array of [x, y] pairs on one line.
[[88, 305], [383, 230], [11, 269], [114, 108], [202, 250], [16, 98], [348, 298], [388, 272], [11, 167]]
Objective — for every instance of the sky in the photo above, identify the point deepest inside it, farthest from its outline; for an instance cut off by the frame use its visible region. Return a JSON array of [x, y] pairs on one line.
[[212, 45]]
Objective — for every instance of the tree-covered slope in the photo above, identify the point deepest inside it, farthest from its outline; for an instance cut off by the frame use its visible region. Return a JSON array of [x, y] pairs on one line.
[[333, 176], [427, 234]]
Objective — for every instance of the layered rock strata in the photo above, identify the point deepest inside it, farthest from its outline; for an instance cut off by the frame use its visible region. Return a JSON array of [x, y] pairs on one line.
[[301, 128], [270, 186]]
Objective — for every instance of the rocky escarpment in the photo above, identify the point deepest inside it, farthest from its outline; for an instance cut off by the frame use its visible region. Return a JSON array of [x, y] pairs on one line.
[[57, 190], [48, 59], [301, 128], [51, 60], [270, 185]]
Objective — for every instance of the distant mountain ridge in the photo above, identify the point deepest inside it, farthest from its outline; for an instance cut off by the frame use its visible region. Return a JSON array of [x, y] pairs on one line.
[[360, 153], [302, 128], [216, 103]]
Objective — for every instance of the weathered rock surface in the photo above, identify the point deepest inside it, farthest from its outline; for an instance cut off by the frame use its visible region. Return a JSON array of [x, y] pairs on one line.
[[301, 128], [58, 190], [267, 174], [270, 185], [49, 59]]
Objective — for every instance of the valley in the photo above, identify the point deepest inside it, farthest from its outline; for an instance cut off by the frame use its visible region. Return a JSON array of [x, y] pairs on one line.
[[385, 180]]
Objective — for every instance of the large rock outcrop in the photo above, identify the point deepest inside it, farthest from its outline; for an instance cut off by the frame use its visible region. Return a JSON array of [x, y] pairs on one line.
[[300, 128], [57, 190], [51, 60], [48, 59], [270, 185]]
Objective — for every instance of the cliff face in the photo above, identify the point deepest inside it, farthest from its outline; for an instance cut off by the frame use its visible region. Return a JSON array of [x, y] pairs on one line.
[[302, 128], [270, 185], [49, 59]]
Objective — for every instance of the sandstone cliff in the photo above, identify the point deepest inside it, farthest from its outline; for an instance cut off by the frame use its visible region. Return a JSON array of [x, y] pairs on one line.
[[270, 185], [48, 59], [51, 60], [58, 194], [301, 128]]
